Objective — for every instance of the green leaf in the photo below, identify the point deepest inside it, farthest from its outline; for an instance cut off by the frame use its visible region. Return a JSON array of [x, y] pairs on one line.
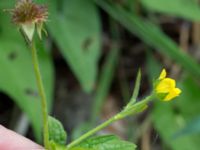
[[18, 81], [151, 35], [79, 148], [97, 140], [107, 142], [188, 9], [55, 146], [57, 133], [76, 31], [136, 89]]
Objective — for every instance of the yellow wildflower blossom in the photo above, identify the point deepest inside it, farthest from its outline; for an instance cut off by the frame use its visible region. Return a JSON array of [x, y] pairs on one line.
[[163, 74], [166, 87]]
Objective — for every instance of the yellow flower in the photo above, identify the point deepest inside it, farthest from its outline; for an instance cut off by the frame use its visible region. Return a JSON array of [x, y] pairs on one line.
[[166, 87]]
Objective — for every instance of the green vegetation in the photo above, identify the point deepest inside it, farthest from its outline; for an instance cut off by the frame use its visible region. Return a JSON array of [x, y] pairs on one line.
[[76, 30]]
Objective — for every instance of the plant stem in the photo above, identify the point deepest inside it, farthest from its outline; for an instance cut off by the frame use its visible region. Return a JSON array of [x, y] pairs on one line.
[[143, 101], [42, 95], [91, 132], [124, 113]]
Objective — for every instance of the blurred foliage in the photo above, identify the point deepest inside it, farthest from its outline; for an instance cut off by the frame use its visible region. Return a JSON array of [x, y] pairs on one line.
[[105, 82], [187, 9], [151, 35], [75, 27], [191, 128]]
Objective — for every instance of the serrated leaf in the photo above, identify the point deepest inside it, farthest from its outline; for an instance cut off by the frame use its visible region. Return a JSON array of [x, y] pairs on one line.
[[76, 31], [57, 133], [188, 9], [107, 142]]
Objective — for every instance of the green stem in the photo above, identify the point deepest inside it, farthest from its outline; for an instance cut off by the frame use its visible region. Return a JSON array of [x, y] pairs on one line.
[[144, 101], [91, 132], [124, 113], [42, 95]]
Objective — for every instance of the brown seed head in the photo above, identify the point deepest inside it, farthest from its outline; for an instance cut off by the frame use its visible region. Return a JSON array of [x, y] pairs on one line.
[[26, 11]]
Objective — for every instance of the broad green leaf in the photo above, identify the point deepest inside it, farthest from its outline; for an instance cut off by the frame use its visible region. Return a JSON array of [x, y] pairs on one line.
[[188, 9], [75, 27], [18, 81], [151, 35], [107, 142], [8, 29], [57, 133]]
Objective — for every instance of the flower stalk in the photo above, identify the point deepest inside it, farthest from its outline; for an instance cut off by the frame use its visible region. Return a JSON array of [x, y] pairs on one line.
[[29, 16], [42, 94], [165, 87], [127, 111]]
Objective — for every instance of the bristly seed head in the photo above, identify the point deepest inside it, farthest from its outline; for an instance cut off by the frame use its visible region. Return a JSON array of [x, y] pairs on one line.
[[29, 16], [26, 11]]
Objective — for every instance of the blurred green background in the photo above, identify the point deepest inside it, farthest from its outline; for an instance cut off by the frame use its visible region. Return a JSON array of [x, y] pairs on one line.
[[89, 62]]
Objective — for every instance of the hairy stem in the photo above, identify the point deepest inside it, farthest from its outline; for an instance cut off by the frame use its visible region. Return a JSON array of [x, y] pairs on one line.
[[91, 132], [42, 95]]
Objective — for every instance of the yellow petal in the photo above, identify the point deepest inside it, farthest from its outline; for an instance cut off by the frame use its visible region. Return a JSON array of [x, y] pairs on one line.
[[162, 74], [165, 85], [172, 94], [171, 82], [177, 91]]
